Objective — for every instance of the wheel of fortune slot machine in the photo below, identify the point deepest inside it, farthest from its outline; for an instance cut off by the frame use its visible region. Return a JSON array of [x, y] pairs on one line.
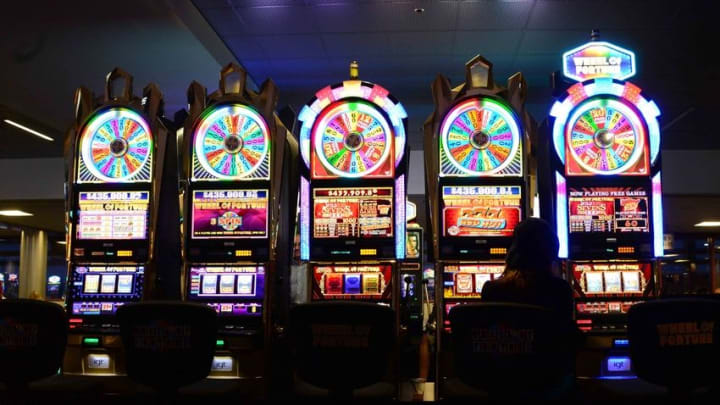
[[477, 175], [605, 191], [352, 191], [236, 154], [118, 197]]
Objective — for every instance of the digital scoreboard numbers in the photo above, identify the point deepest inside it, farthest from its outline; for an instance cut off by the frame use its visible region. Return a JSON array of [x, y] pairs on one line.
[[474, 211], [229, 214], [116, 215], [353, 212], [608, 209]]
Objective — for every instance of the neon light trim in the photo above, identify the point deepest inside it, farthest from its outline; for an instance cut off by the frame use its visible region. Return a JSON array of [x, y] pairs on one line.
[[211, 157], [304, 219], [100, 163], [598, 59], [657, 215], [561, 212], [400, 219], [460, 157]]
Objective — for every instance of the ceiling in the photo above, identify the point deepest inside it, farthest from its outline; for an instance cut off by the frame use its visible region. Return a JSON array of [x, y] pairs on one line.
[[306, 45]]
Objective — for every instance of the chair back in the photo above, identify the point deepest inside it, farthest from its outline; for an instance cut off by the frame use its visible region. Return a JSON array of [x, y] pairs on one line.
[[33, 335], [342, 345], [676, 342], [511, 348], [168, 344]]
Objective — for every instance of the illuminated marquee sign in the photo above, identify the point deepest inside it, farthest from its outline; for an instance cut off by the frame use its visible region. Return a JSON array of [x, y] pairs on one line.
[[598, 60]]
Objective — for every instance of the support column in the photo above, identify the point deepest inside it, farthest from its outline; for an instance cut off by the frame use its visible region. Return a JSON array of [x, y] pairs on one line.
[[712, 256], [33, 263]]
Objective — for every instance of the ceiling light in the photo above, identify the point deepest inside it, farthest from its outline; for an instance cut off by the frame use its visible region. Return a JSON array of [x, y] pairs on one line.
[[419, 10], [61, 242], [15, 213], [26, 129], [707, 224]]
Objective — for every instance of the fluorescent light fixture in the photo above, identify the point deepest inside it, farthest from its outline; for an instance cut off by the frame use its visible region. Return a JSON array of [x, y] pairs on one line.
[[707, 224], [61, 242], [26, 129], [15, 213]]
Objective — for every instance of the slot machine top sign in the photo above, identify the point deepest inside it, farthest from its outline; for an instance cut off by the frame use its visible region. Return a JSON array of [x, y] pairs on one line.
[[604, 124], [351, 130], [115, 146]]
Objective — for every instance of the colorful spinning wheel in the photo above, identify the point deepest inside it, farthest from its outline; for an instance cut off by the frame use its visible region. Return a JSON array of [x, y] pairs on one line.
[[605, 136], [232, 142], [352, 139], [480, 136], [116, 146]]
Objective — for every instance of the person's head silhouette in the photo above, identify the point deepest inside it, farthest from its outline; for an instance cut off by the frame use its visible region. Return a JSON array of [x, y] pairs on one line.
[[533, 249]]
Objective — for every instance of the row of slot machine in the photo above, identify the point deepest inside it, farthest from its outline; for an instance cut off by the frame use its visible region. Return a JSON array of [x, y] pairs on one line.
[[207, 208]]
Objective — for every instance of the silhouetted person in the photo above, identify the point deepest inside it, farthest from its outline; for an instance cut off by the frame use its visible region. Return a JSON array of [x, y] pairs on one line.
[[528, 277]]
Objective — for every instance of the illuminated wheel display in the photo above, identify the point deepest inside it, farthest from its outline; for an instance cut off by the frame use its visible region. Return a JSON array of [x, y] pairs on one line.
[[116, 146], [605, 136], [352, 139], [232, 142], [480, 136]]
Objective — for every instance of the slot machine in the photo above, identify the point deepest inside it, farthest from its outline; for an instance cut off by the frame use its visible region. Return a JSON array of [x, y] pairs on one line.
[[235, 156], [477, 181], [352, 191], [119, 183], [604, 177]]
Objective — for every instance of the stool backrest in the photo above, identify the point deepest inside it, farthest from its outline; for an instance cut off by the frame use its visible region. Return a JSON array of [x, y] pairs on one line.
[[342, 345], [515, 347], [676, 342], [33, 335], [168, 344]]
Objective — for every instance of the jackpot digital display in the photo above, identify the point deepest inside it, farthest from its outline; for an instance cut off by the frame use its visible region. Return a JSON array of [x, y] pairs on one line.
[[219, 214], [365, 212], [475, 211], [115, 215], [608, 209]]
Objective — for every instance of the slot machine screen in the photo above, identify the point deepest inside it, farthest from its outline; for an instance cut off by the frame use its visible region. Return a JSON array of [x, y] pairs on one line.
[[467, 280], [365, 212], [479, 211], [608, 210], [115, 215], [413, 244], [352, 281], [231, 290], [100, 290], [221, 214], [613, 278]]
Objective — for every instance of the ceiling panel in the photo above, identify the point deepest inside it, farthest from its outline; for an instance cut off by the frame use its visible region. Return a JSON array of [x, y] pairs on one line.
[[491, 14], [291, 46], [438, 43], [275, 19], [357, 45], [469, 43]]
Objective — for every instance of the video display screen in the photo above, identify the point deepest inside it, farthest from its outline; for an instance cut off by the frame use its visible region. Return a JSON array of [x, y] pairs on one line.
[[476, 211], [612, 278], [221, 214], [100, 290], [467, 280], [230, 290], [353, 212], [413, 244], [113, 215], [608, 209], [352, 281], [227, 281]]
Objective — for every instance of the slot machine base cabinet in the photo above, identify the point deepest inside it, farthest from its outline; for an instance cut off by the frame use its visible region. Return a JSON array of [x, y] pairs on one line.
[[238, 357], [604, 357], [94, 354]]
